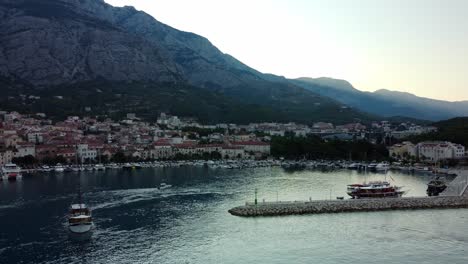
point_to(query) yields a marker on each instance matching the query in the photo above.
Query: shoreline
(363, 166)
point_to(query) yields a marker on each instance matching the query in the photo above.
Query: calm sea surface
(189, 223)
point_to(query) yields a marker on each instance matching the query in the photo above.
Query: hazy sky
(417, 46)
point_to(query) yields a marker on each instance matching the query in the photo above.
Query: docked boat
(353, 166)
(127, 166)
(46, 168)
(436, 186)
(376, 189)
(11, 172)
(382, 167)
(372, 166)
(99, 167)
(80, 219)
(112, 166)
(59, 168)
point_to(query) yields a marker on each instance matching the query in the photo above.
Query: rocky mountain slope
(51, 44)
(384, 102)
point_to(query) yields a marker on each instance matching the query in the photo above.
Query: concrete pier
(456, 196)
(457, 187)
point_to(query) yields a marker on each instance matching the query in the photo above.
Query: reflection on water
(188, 223)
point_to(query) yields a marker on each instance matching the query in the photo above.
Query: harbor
(134, 205)
(455, 196)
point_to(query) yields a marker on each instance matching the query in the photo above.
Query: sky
(415, 46)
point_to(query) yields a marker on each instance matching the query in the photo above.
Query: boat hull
(377, 195)
(80, 228)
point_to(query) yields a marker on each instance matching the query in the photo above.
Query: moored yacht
(46, 168)
(11, 172)
(436, 186)
(382, 167)
(99, 167)
(376, 189)
(59, 168)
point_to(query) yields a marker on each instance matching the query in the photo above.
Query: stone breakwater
(351, 205)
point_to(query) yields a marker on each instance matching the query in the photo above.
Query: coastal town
(35, 139)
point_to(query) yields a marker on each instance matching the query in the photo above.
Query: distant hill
(384, 102)
(454, 130)
(52, 45)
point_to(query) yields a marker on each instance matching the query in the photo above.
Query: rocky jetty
(356, 205)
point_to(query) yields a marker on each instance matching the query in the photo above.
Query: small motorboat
(164, 185)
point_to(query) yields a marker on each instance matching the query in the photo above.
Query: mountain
(453, 130)
(384, 102)
(342, 85)
(65, 47)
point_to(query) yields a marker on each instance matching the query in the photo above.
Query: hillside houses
(88, 140)
(428, 151)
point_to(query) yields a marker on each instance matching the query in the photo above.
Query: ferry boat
(11, 172)
(376, 189)
(80, 219)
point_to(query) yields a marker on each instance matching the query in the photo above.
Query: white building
(6, 157)
(25, 149)
(254, 146)
(85, 153)
(436, 151)
(35, 137)
(232, 152)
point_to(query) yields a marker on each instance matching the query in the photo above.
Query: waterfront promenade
(456, 196)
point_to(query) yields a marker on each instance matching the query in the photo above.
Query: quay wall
(351, 205)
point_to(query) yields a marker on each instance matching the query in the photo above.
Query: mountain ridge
(50, 43)
(387, 103)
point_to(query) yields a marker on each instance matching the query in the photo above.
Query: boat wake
(130, 196)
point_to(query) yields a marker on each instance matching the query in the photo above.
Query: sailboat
(79, 219)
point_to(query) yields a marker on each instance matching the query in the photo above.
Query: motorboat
(164, 185)
(59, 168)
(80, 219)
(11, 172)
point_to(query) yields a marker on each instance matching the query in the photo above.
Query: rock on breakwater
(352, 205)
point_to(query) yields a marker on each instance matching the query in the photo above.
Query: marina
(382, 167)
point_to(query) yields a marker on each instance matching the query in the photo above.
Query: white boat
(163, 186)
(353, 166)
(80, 219)
(382, 167)
(112, 166)
(11, 172)
(99, 167)
(59, 168)
(46, 168)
